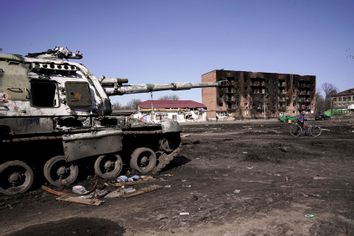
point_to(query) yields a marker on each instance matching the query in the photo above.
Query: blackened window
(43, 93)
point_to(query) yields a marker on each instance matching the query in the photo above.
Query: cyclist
(301, 119)
(301, 122)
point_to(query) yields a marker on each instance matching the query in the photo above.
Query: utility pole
(152, 107)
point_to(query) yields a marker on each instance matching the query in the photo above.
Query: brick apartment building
(258, 94)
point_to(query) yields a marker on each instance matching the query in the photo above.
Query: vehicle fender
(169, 126)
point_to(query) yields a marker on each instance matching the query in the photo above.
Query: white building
(343, 100)
(178, 110)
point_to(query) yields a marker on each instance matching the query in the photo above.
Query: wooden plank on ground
(78, 199)
(142, 191)
(54, 192)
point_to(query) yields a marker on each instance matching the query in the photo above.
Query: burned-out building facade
(258, 94)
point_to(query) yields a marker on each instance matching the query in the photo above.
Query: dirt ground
(242, 178)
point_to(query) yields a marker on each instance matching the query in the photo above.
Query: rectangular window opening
(44, 93)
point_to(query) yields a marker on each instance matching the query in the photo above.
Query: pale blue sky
(160, 41)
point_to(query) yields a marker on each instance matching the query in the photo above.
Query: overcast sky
(161, 41)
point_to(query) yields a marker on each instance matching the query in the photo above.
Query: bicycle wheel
(295, 130)
(315, 131)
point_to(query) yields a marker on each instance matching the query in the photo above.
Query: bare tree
(329, 90)
(116, 106)
(320, 102)
(169, 97)
(133, 104)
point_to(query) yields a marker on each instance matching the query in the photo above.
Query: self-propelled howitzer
(55, 116)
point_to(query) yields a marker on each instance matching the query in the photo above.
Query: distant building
(258, 94)
(178, 110)
(343, 100)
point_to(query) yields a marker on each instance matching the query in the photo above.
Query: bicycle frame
(312, 130)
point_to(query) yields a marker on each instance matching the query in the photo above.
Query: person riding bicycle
(301, 119)
(301, 122)
(300, 129)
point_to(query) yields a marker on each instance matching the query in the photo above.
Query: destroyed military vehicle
(56, 118)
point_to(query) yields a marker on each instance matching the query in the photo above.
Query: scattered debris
(314, 195)
(319, 178)
(122, 179)
(167, 175)
(92, 197)
(167, 186)
(129, 190)
(237, 191)
(52, 191)
(244, 152)
(184, 213)
(309, 216)
(133, 178)
(143, 179)
(79, 189)
(161, 217)
(250, 167)
(188, 186)
(185, 135)
(142, 191)
(95, 194)
(79, 199)
(115, 193)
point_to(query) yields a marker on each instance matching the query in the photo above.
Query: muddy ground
(245, 178)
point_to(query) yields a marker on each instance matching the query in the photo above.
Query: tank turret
(55, 116)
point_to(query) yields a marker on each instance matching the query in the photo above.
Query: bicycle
(313, 130)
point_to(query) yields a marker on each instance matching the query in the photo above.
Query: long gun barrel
(116, 86)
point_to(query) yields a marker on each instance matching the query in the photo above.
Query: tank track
(165, 159)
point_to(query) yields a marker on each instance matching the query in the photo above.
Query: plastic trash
(310, 216)
(237, 191)
(319, 178)
(133, 178)
(122, 179)
(95, 194)
(79, 189)
(184, 213)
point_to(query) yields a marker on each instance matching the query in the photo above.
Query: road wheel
(60, 173)
(143, 160)
(170, 142)
(15, 177)
(295, 130)
(108, 166)
(315, 131)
